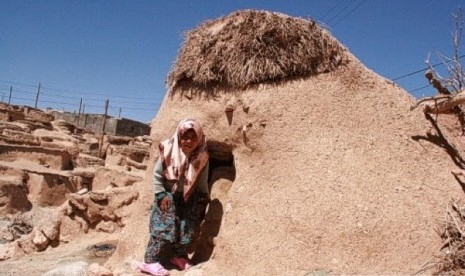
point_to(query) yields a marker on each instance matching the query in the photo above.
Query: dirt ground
(91, 248)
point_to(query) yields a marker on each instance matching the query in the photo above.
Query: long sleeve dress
(176, 225)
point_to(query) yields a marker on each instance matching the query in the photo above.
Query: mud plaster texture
(333, 173)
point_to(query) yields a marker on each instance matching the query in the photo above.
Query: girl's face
(189, 141)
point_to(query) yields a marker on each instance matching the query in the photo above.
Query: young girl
(180, 178)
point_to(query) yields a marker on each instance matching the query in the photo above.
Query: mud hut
(318, 162)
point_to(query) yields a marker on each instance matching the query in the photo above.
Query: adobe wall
(10, 113)
(10, 116)
(34, 114)
(113, 126)
(126, 127)
(94, 123)
(55, 158)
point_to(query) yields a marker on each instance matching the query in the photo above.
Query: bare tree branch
(451, 93)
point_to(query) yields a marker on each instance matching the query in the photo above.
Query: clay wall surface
(128, 127)
(113, 126)
(49, 189)
(91, 122)
(53, 158)
(10, 115)
(35, 115)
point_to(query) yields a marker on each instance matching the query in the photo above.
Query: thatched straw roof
(249, 47)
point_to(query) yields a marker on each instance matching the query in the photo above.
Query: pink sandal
(181, 262)
(155, 269)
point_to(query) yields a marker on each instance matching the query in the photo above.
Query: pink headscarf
(175, 162)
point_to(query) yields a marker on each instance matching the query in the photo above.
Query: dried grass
(249, 47)
(451, 261)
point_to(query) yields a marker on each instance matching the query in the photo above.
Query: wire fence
(45, 97)
(137, 108)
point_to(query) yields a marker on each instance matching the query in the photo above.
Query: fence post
(9, 98)
(79, 113)
(103, 129)
(37, 96)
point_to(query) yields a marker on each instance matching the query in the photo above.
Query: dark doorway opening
(221, 175)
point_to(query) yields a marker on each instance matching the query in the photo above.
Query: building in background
(113, 126)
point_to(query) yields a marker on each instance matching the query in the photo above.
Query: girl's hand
(165, 204)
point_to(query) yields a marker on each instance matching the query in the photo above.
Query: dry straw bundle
(452, 259)
(249, 47)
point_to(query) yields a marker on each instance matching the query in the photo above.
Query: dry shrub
(452, 258)
(250, 47)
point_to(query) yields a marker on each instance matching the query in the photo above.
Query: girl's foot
(181, 262)
(155, 269)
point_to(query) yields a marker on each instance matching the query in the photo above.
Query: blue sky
(123, 50)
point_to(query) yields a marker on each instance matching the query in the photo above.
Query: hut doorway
(221, 175)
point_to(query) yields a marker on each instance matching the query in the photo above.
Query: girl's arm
(158, 180)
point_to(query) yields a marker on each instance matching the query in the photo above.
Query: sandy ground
(82, 248)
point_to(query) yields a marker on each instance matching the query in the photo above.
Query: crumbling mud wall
(58, 183)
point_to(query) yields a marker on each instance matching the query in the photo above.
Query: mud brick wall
(113, 126)
(126, 127)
